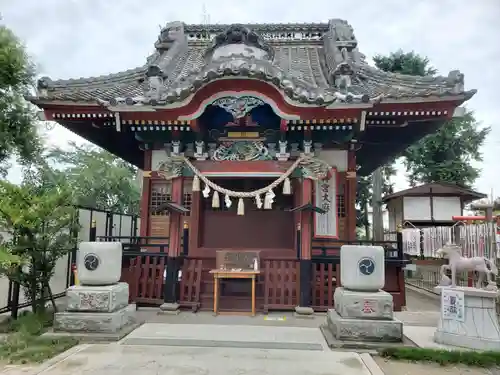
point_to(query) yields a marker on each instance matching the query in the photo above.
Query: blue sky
(70, 38)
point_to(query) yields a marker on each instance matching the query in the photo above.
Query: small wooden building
(428, 205)
(257, 134)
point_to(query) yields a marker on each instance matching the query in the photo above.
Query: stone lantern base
(364, 316)
(96, 309)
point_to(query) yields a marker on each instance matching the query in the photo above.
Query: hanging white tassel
(258, 201)
(215, 200)
(241, 207)
(196, 183)
(287, 187)
(268, 200)
(206, 192)
(227, 201)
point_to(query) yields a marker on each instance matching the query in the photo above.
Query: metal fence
(106, 224)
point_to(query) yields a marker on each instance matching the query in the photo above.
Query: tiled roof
(312, 63)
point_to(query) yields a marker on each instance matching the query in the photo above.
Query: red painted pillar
(174, 248)
(351, 184)
(305, 262)
(306, 219)
(146, 192)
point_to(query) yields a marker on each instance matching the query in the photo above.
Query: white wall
(417, 208)
(446, 207)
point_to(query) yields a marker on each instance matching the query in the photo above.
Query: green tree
(40, 220)
(18, 131)
(446, 155)
(98, 178)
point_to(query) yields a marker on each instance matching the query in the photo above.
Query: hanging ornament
(258, 201)
(287, 187)
(196, 183)
(241, 207)
(206, 191)
(215, 200)
(227, 201)
(268, 200)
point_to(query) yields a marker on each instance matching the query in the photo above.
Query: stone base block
(103, 322)
(97, 298)
(468, 319)
(169, 309)
(349, 329)
(364, 305)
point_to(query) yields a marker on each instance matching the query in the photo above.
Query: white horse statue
(458, 263)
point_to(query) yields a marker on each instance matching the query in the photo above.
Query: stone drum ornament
(364, 267)
(99, 263)
(363, 312)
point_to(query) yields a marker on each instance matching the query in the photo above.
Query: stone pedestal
(363, 305)
(363, 312)
(99, 309)
(364, 316)
(468, 318)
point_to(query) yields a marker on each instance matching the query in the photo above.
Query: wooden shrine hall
(249, 140)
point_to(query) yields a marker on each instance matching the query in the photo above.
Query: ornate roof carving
(317, 71)
(240, 34)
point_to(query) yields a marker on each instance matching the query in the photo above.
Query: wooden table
(225, 274)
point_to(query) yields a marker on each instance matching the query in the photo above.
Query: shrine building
(251, 138)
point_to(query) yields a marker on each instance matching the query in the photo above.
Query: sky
(79, 38)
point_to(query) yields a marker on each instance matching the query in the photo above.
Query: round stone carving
(366, 266)
(91, 262)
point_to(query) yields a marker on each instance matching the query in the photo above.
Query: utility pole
(377, 218)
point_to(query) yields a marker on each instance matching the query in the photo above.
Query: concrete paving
(226, 336)
(116, 359)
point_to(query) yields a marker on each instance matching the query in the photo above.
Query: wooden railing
(281, 284)
(326, 276)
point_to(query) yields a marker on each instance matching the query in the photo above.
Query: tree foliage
(18, 131)
(97, 178)
(448, 154)
(405, 63)
(40, 220)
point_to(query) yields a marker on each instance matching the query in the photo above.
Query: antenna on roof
(205, 21)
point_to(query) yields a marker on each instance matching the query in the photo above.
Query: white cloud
(71, 38)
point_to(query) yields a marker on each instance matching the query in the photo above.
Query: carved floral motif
(238, 106)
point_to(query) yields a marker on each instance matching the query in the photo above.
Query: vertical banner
(325, 194)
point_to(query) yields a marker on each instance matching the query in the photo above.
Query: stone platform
(96, 309)
(92, 322)
(357, 329)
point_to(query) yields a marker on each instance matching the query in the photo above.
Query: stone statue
(458, 263)
(171, 33)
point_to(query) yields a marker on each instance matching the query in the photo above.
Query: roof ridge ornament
(240, 34)
(341, 51)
